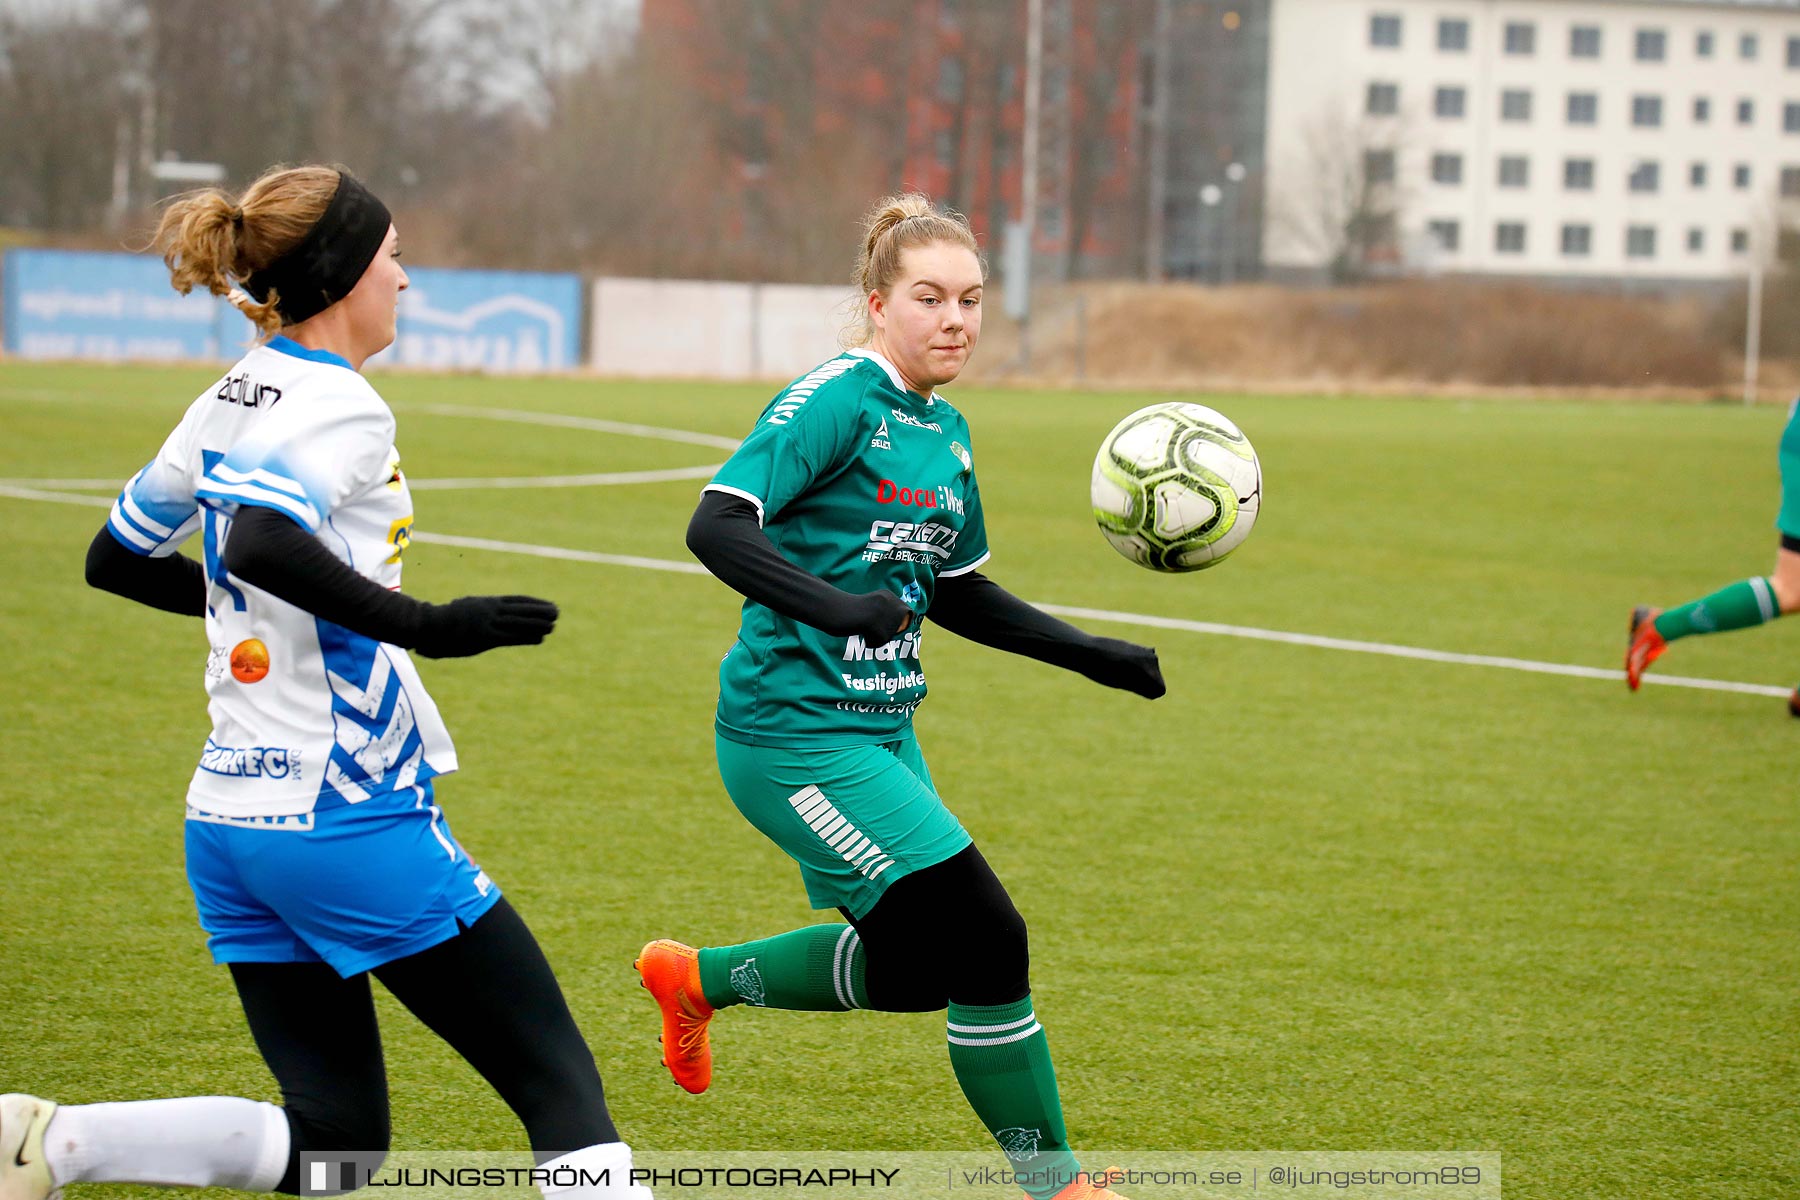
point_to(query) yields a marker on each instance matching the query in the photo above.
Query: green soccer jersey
(868, 486)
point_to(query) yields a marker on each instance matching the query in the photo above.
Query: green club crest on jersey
(962, 455)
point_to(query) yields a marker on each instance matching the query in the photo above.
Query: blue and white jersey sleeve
(306, 459)
(156, 510)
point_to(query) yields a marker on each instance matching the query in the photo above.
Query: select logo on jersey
(857, 650)
(880, 440)
(249, 660)
(889, 492)
(254, 762)
(805, 386)
(903, 541)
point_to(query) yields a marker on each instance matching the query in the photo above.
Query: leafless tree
(59, 91)
(1345, 197)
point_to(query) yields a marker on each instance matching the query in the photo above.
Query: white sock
(611, 1157)
(201, 1141)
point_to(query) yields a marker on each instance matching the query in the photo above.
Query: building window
(1646, 111)
(1697, 175)
(1521, 38)
(1696, 240)
(1652, 45)
(1447, 234)
(1640, 241)
(1702, 110)
(1447, 169)
(1378, 166)
(1453, 34)
(1584, 41)
(1645, 177)
(1584, 108)
(1703, 44)
(1515, 171)
(1790, 117)
(1384, 99)
(1577, 240)
(1515, 105)
(1578, 175)
(1793, 57)
(1746, 111)
(1740, 241)
(1449, 102)
(1740, 177)
(1790, 181)
(1747, 47)
(1384, 30)
(1509, 237)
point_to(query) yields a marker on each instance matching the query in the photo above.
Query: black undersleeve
(488, 992)
(172, 582)
(725, 536)
(948, 932)
(274, 552)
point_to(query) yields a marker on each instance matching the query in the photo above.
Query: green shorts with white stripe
(855, 818)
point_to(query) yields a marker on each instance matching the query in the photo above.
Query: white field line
(567, 422)
(564, 481)
(1209, 627)
(12, 488)
(1144, 620)
(587, 556)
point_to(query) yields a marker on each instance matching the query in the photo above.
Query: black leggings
(946, 933)
(488, 992)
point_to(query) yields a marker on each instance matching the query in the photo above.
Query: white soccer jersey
(306, 714)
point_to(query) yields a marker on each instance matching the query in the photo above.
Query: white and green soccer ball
(1176, 487)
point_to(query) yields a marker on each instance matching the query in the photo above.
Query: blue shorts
(854, 818)
(354, 886)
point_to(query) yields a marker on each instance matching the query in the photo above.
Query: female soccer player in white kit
(314, 848)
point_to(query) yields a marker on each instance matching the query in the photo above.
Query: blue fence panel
(498, 321)
(73, 304)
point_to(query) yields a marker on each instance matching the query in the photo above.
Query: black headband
(329, 260)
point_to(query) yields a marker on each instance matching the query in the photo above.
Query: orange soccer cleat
(1092, 1187)
(671, 973)
(1646, 645)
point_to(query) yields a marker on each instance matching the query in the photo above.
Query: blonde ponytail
(211, 240)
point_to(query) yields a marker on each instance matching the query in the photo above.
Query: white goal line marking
(1144, 620)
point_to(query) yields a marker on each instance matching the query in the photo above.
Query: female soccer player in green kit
(1754, 601)
(849, 514)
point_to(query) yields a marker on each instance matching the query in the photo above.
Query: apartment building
(1649, 141)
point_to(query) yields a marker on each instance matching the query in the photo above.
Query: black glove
(880, 617)
(1126, 665)
(477, 623)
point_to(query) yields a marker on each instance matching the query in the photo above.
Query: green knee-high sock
(1736, 606)
(1002, 1061)
(816, 969)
